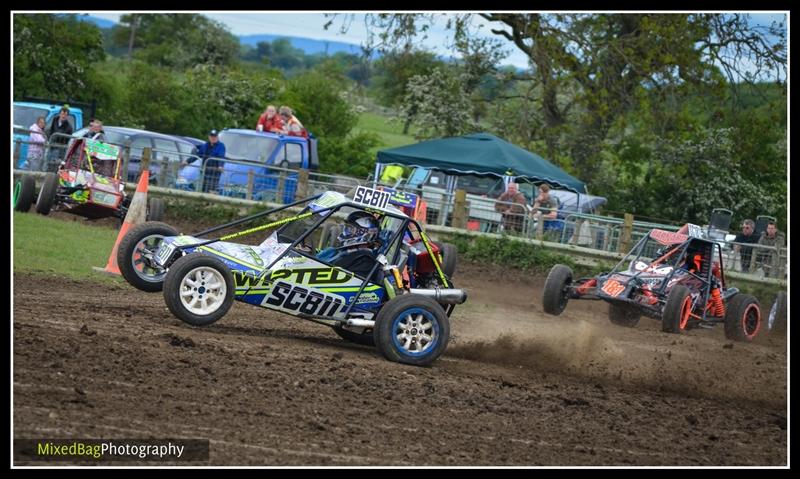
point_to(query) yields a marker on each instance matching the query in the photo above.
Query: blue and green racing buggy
(376, 279)
(674, 277)
(88, 183)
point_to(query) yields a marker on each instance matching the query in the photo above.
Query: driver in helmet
(693, 260)
(356, 245)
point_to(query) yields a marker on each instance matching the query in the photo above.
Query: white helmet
(359, 228)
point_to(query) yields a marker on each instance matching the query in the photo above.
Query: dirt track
(515, 387)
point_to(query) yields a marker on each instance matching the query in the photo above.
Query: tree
(396, 68)
(317, 99)
(53, 55)
(176, 40)
(604, 60)
(439, 104)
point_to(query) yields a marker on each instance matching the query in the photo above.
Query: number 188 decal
(613, 288)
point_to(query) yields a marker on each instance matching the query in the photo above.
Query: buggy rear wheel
(411, 329)
(24, 192)
(199, 289)
(47, 195)
(742, 318)
(555, 295)
(449, 254)
(364, 338)
(677, 311)
(623, 314)
(135, 253)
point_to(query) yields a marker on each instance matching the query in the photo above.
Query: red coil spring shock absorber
(651, 298)
(716, 304)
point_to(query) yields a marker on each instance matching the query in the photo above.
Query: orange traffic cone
(137, 214)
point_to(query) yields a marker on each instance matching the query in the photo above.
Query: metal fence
(254, 181)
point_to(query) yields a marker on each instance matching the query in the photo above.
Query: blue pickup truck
(25, 115)
(250, 150)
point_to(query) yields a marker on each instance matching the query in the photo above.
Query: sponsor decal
(313, 276)
(296, 299)
(101, 150)
(369, 197)
(165, 252)
(256, 258)
(667, 237)
(402, 198)
(325, 201)
(366, 298)
(244, 280)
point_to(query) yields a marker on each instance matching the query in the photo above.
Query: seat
(761, 223)
(719, 224)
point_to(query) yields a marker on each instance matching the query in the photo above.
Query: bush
(508, 252)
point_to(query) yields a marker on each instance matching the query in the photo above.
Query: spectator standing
(36, 145)
(769, 258)
(208, 152)
(292, 125)
(62, 125)
(270, 121)
(512, 206)
(95, 131)
(747, 235)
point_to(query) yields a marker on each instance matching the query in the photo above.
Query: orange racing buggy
(673, 277)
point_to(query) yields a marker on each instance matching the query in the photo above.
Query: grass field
(63, 248)
(389, 132)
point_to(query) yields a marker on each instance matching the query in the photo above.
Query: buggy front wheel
(677, 311)
(199, 289)
(411, 329)
(47, 195)
(555, 295)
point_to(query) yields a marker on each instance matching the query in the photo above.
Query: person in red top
(292, 125)
(270, 121)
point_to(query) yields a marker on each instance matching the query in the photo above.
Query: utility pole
(134, 22)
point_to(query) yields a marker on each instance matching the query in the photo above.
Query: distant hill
(308, 45)
(100, 22)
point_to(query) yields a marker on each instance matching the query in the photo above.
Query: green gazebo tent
(480, 154)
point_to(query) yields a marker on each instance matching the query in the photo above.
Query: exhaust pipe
(361, 323)
(443, 295)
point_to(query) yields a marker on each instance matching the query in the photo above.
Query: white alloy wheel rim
(415, 333)
(202, 290)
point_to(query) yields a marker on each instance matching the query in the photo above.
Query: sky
(310, 25)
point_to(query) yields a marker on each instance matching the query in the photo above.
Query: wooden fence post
(625, 237)
(147, 153)
(281, 187)
(302, 185)
(251, 176)
(460, 210)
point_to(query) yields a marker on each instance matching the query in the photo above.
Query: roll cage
(675, 247)
(326, 211)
